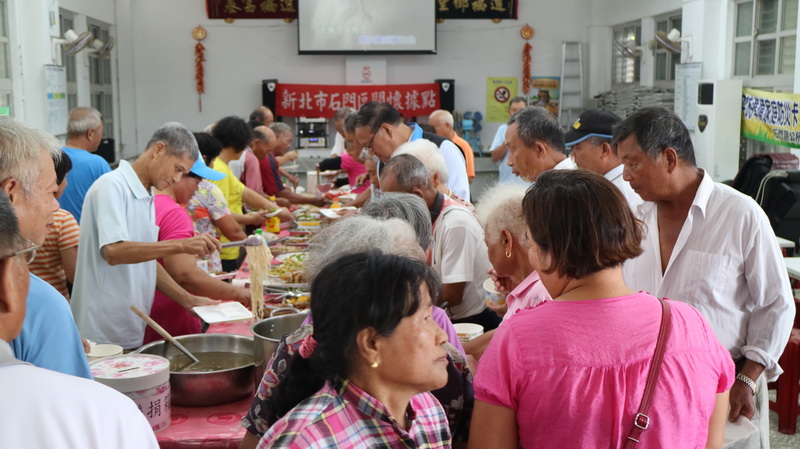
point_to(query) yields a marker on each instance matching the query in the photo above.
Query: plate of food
(336, 213)
(299, 257)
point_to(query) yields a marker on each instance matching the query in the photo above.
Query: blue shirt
(504, 171)
(49, 337)
(86, 168)
(454, 160)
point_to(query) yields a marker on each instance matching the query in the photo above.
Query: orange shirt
(467, 150)
(64, 234)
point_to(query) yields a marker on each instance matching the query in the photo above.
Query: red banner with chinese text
(313, 100)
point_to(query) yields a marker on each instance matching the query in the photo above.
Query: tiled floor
(779, 440)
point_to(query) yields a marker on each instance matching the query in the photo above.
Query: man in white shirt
(499, 152)
(458, 252)
(80, 412)
(119, 242)
(712, 247)
(590, 139)
(535, 143)
(380, 129)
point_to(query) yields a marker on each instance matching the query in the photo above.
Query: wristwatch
(747, 381)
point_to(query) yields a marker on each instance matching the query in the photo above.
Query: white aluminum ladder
(570, 104)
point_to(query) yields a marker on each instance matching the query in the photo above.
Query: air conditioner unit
(719, 119)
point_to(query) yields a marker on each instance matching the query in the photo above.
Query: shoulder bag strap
(641, 421)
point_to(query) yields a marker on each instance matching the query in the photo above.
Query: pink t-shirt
(529, 293)
(173, 223)
(251, 173)
(574, 373)
(354, 169)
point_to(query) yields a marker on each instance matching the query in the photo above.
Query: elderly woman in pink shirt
(572, 372)
(499, 212)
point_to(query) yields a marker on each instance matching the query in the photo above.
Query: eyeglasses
(369, 145)
(29, 252)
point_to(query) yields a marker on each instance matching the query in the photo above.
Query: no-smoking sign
(502, 94)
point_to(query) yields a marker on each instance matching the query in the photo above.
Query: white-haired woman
(430, 156)
(500, 214)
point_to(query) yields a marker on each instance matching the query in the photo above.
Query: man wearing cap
(590, 139)
(535, 143)
(119, 242)
(174, 223)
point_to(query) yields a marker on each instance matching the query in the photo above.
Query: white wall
(241, 54)
(623, 11)
(102, 10)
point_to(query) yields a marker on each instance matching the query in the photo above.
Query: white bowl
(100, 351)
(468, 331)
(492, 295)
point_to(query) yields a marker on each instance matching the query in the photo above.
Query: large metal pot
(266, 335)
(202, 389)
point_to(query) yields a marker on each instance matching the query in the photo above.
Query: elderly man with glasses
(28, 391)
(49, 337)
(380, 129)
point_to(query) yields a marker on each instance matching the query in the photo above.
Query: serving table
(214, 427)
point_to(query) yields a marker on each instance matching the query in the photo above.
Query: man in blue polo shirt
(84, 133)
(49, 338)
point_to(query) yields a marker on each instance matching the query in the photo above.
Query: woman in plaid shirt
(363, 378)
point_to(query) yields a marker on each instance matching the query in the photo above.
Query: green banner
(771, 117)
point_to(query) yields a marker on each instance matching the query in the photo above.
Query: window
(665, 61)
(627, 54)
(68, 23)
(765, 32)
(100, 84)
(6, 88)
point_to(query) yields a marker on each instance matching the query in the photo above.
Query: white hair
(500, 208)
(358, 233)
(442, 115)
(428, 153)
(20, 148)
(82, 120)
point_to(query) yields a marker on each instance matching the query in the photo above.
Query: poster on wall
(545, 92)
(771, 117)
(365, 70)
(56, 91)
(499, 91)
(687, 77)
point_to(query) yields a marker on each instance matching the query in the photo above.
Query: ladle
(163, 332)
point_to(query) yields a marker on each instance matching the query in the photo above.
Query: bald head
(442, 122)
(263, 141)
(262, 114)
(85, 128)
